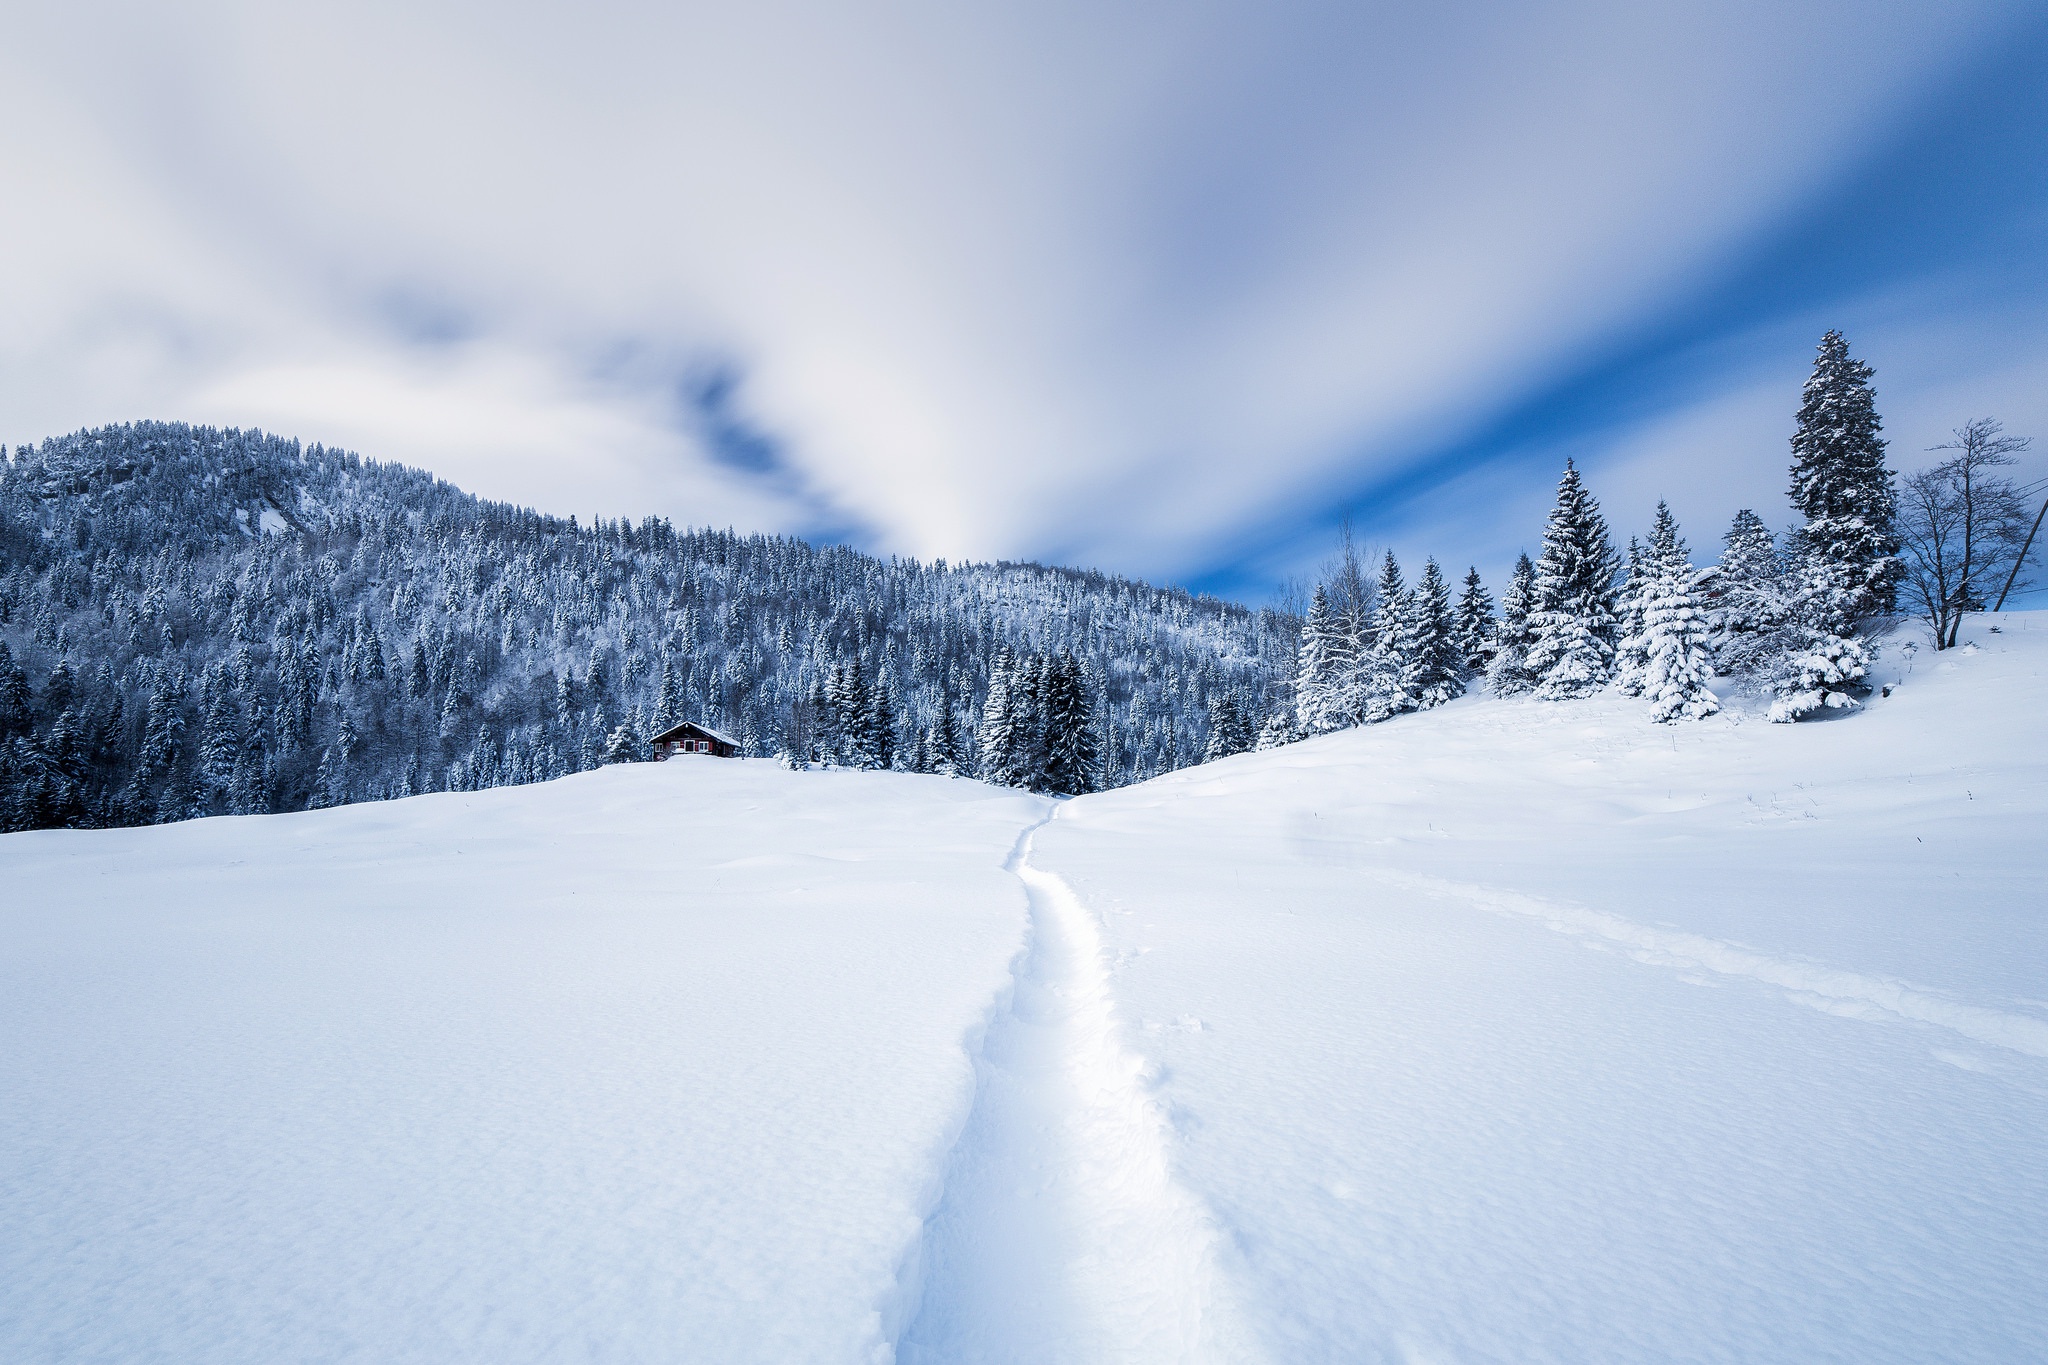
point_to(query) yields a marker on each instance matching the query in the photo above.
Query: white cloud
(1109, 284)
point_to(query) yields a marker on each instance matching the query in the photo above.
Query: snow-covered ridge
(237, 623)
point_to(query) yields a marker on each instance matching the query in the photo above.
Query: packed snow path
(1062, 1235)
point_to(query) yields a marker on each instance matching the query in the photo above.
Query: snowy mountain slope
(1504, 1032)
(205, 622)
(657, 1062)
(1520, 1032)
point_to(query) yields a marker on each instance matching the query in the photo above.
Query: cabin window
(703, 746)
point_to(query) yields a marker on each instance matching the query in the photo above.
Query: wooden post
(2022, 557)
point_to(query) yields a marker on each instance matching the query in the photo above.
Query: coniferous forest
(197, 621)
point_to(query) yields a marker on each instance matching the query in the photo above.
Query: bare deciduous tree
(1961, 524)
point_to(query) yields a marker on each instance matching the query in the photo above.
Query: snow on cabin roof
(674, 730)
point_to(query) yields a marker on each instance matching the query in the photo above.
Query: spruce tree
(1439, 663)
(997, 737)
(881, 723)
(1677, 660)
(1028, 689)
(16, 704)
(1508, 674)
(1229, 731)
(1841, 486)
(1474, 625)
(1390, 678)
(1070, 757)
(1823, 664)
(945, 741)
(1319, 682)
(1631, 654)
(668, 699)
(1749, 596)
(1572, 624)
(1279, 729)
(621, 746)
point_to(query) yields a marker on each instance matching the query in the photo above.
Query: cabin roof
(691, 726)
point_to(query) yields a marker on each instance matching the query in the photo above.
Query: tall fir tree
(945, 741)
(996, 739)
(1439, 663)
(881, 722)
(1319, 683)
(1630, 656)
(1508, 674)
(1070, 757)
(1388, 683)
(1474, 625)
(1230, 731)
(1029, 686)
(1841, 486)
(1572, 624)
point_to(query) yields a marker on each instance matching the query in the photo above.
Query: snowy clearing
(1507, 1032)
(659, 1062)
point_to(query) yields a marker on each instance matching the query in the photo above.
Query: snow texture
(1539, 1032)
(1508, 1031)
(652, 1063)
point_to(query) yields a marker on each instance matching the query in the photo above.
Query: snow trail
(1817, 984)
(1061, 1234)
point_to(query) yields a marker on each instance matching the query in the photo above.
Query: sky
(1166, 290)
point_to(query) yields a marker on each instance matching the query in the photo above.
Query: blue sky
(1160, 289)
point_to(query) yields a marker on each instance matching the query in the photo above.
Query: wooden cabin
(692, 738)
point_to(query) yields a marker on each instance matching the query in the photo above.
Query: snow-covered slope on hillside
(1522, 1032)
(1509, 1032)
(655, 1063)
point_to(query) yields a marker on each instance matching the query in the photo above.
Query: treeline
(1792, 616)
(197, 621)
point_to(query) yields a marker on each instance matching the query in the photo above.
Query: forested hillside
(197, 621)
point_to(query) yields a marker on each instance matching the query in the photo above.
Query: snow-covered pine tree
(1320, 682)
(1230, 732)
(1572, 624)
(881, 721)
(1841, 486)
(668, 700)
(220, 742)
(1678, 663)
(1279, 729)
(1825, 662)
(1750, 597)
(1439, 663)
(1389, 673)
(945, 740)
(1070, 758)
(1029, 686)
(855, 705)
(1474, 625)
(17, 711)
(997, 737)
(621, 746)
(1631, 650)
(1508, 674)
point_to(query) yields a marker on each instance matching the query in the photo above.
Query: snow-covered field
(1510, 1032)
